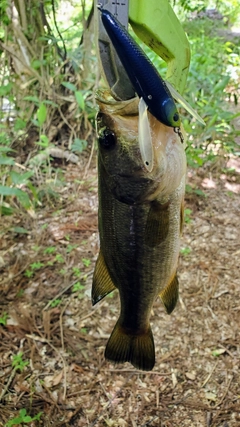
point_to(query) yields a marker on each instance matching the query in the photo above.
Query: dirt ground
(46, 314)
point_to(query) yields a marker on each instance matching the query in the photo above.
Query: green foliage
(50, 250)
(208, 90)
(187, 215)
(185, 251)
(79, 289)
(193, 190)
(41, 114)
(18, 363)
(230, 9)
(20, 293)
(212, 83)
(59, 258)
(23, 418)
(79, 145)
(86, 262)
(50, 86)
(33, 267)
(76, 272)
(70, 248)
(55, 302)
(3, 318)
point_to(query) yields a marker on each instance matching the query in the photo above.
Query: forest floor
(52, 339)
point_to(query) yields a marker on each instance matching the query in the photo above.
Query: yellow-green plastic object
(156, 24)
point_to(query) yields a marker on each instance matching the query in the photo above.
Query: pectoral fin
(169, 295)
(157, 227)
(102, 283)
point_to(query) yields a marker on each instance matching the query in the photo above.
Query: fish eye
(176, 117)
(107, 139)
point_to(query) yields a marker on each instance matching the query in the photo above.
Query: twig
(44, 340)
(110, 402)
(30, 70)
(67, 123)
(59, 295)
(89, 161)
(61, 325)
(4, 391)
(148, 423)
(65, 290)
(15, 275)
(227, 351)
(224, 394)
(88, 315)
(209, 376)
(64, 56)
(140, 372)
(23, 15)
(209, 419)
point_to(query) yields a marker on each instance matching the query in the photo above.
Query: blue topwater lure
(141, 72)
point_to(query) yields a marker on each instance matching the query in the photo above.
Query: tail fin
(137, 349)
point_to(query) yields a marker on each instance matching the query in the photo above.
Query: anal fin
(169, 294)
(102, 283)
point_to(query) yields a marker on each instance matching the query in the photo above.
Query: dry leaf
(191, 376)
(53, 380)
(211, 396)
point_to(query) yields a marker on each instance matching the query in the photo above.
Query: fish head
(120, 157)
(172, 117)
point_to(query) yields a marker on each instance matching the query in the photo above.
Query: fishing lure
(141, 72)
(158, 94)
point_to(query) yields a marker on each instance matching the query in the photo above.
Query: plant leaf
(79, 145)
(20, 178)
(5, 149)
(80, 99)
(21, 195)
(69, 86)
(184, 103)
(32, 98)
(20, 230)
(42, 113)
(6, 161)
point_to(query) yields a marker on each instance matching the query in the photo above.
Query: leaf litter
(45, 295)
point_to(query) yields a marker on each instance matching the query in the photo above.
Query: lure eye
(107, 139)
(176, 117)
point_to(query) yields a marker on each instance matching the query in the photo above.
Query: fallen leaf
(211, 396)
(191, 376)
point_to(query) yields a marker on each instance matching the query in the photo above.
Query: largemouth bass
(140, 223)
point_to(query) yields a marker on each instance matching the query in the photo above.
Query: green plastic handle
(156, 24)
